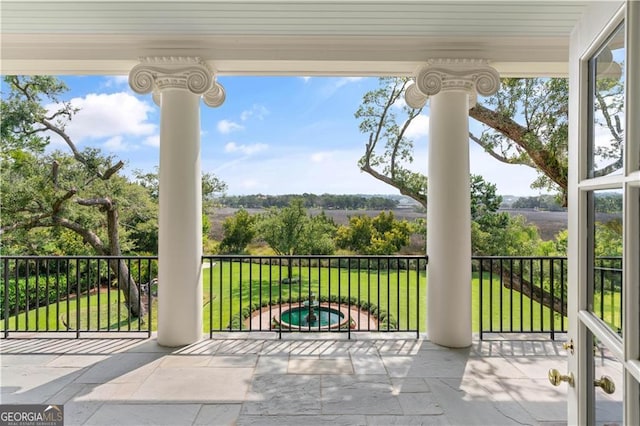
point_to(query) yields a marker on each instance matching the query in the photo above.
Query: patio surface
(303, 379)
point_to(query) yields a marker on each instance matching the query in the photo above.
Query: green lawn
(236, 286)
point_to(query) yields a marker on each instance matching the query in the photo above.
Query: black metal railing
(607, 289)
(529, 294)
(316, 293)
(82, 294)
(521, 294)
(77, 294)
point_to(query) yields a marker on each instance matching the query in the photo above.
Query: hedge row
(382, 316)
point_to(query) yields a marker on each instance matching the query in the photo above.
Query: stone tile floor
(301, 379)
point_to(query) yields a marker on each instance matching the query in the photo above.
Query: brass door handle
(606, 384)
(556, 378)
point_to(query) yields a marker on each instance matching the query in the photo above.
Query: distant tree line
(324, 201)
(606, 202)
(539, 202)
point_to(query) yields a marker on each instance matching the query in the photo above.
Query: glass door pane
(608, 386)
(607, 112)
(606, 230)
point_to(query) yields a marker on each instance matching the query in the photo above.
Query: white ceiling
(286, 37)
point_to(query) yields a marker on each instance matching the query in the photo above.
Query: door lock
(556, 378)
(568, 346)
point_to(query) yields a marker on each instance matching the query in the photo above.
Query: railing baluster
(511, 294)
(563, 285)
(490, 296)
(240, 313)
(521, 307)
(551, 310)
(57, 294)
(480, 297)
(531, 296)
(88, 281)
(98, 278)
(77, 298)
(280, 294)
(5, 307)
(541, 295)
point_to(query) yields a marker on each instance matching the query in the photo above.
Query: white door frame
(589, 35)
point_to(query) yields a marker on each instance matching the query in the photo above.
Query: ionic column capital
(154, 74)
(474, 76)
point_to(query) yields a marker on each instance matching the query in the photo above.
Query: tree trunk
(129, 288)
(126, 283)
(119, 267)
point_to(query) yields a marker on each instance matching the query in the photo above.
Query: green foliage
(21, 109)
(290, 231)
(239, 231)
(526, 122)
(324, 201)
(504, 235)
(608, 237)
(212, 188)
(484, 199)
(608, 202)
(389, 152)
(380, 235)
(540, 202)
(32, 292)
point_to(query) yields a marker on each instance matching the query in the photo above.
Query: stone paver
(305, 379)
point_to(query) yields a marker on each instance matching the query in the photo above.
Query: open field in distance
(548, 223)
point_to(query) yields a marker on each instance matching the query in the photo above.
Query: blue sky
(272, 135)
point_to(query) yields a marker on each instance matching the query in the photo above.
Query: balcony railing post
(5, 307)
(480, 297)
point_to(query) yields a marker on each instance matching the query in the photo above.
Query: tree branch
(112, 170)
(34, 222)
(89, 237)
(502, 158)
(105, 202)
(394, 183)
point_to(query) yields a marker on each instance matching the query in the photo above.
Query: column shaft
(180, 221)
(449, 221)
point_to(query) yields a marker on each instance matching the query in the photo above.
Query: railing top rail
(519, 257)
(311, 256)
(80, 257)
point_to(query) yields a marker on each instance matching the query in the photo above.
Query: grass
(244, 285)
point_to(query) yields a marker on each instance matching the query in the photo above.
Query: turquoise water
(324, 317)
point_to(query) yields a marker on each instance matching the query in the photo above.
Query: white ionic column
(451, 86)
(178, 84)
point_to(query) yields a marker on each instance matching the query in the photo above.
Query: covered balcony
(420, 345)
(86, 352)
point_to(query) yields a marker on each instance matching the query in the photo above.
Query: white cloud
(306, 78)
(400, 102)
(418, 127)
(109, 115)
(116, 143)
(319, 157)
(116, 81)
(228, 126)
(245, 149)
(152, 141)
(296, 173)
(346, 80)
(334, 84)
(256, 111)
